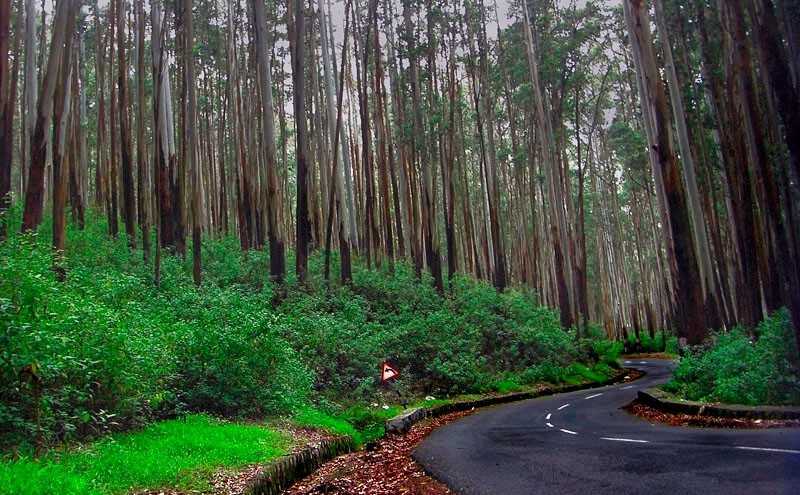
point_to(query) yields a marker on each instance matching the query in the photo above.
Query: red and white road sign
(388, 373)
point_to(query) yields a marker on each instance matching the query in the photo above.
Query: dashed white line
(765, 449)
(642, 362)
(567, 431)
(593, 396)
(626, 387)
(549, 425)
(562, 407)
(548, 415)
(632, 440)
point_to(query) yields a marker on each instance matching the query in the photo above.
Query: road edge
(402, 423)
(664, 402)
(280, 474)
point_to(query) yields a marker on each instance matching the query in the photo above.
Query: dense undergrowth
(740, 367)
(659, 342)
(107, 350)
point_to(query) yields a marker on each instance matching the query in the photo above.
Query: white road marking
(632, 440)
(562, 407)
(764, 449)
(628, 362)
(548, 415)
(642, 362)
(567, 431)
(593, 396)
(549, 425)
(626, 387)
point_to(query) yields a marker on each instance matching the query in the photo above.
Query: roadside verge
(281, 474)
(665, 402)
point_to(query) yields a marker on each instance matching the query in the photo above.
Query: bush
(659, 342)
(106, 349)
(742, 369)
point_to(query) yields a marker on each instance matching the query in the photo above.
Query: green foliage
(607, 351)
(107, 349)
(175, 453)
(659, 342)
(739, 368)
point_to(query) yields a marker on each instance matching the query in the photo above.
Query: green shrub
(107, 349)
(742, 369)
(608, 351)
(659, 342)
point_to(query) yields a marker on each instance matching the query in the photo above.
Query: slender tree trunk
(773, 57)
(191, 138)
(6, 114)
(61, 117)
(63, 26)
(691, 318)
(558, 221)
(128, 194)
(688, 161)
(337, 178)
(275, 233)
(296, 19)
(382, 139)
(30, 88)
(141, 163)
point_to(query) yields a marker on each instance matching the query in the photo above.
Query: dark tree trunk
(296, 21)
(128, 194)
(64, 23)
(7, 107)
(690, 308)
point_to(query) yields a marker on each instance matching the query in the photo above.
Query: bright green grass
(362, 424)
(178, 453)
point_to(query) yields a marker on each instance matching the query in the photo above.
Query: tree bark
(191, 139)
(141, 163)
(6, 114)
(63, 26)
(275, 233)
(691, 318)
(296, 19)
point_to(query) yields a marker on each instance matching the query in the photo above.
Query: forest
(238, 209)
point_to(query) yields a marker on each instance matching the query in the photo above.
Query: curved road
(582, 443)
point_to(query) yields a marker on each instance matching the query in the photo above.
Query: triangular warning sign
(387, 372)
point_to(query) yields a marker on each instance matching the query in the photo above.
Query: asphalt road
(582, 443)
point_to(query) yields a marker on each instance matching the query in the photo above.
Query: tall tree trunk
(691, 317)
(275, 233)
(382, 134)
(61, 117)
(337, 178)
(123, 109)
(773, 57)
(6, 114)
(63, 26)
(296, 19)
(141, 163)
(558, 220)
(727, 115)
(191, 138)
(499, 262)
(688, 161)
(30, 88)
